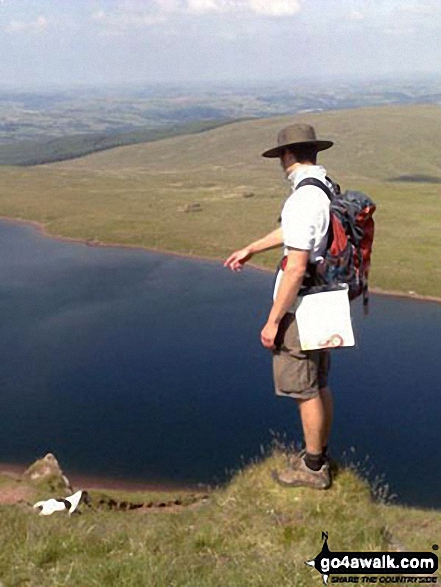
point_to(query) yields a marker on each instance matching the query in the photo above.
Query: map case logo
(367, 564)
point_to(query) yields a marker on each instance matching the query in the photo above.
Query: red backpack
(348, 253)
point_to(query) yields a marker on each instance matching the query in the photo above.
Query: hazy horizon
(322, 82)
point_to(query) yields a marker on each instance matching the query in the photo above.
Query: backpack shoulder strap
(318, 184)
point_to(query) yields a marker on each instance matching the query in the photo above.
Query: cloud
(206, 6)
(414, 17)
(133, 14)
(124, 20)
(275, 7)
(397, 31)
(100, 16)
(356, 15)
(421, 7)
(20, 26)
(127, 15)
(262, 7)
(169, 5)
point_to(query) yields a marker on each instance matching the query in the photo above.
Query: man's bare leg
(328, 407)
(316, 415)
(309, 471)
(313, 416)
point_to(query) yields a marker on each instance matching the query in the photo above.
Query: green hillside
(208, 193)
(378, 143)
(37, 152)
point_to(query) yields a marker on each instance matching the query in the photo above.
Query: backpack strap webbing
(321, 185)
(310, 279)
(318, 184)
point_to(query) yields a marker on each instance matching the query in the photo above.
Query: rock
(46, 472)
(193, 208)
(92, 242)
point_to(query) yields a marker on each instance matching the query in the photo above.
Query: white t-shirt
(305, 216)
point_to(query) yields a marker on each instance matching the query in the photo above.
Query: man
(301, 375)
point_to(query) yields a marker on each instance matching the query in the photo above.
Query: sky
(94, 42)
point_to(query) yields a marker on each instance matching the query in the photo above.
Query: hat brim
(276, 151)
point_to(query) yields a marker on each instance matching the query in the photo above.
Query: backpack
(348, 252)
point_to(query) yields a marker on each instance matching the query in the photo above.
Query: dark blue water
(149, 367)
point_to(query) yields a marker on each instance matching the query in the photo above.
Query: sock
(324, 449)
(313, 461)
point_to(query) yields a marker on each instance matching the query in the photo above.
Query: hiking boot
(295, 458)
(303, 476)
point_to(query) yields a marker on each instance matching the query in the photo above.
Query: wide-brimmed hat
(296, 135)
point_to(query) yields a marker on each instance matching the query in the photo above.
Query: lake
(148, 367)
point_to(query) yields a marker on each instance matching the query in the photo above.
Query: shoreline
(89, 481)
(42, 229)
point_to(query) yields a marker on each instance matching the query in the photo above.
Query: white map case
(324, 320)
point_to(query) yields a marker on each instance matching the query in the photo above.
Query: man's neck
(295, 167)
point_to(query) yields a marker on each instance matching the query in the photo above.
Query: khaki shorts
(297, 374)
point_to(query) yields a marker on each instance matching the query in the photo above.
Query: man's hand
(268, 335)
(237, 260)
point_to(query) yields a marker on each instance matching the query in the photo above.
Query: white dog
(50, 506)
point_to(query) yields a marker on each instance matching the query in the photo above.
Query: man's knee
(309, 401)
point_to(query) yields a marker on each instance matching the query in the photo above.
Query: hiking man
(301, 375)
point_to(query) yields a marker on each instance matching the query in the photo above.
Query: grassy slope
(135, 194)
(252, 532)
(36, 152)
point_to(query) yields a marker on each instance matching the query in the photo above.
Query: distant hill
(383, 143)
(38, 152)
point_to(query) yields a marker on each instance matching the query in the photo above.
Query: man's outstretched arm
(271, 241)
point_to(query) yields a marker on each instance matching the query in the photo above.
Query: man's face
(287, 160)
